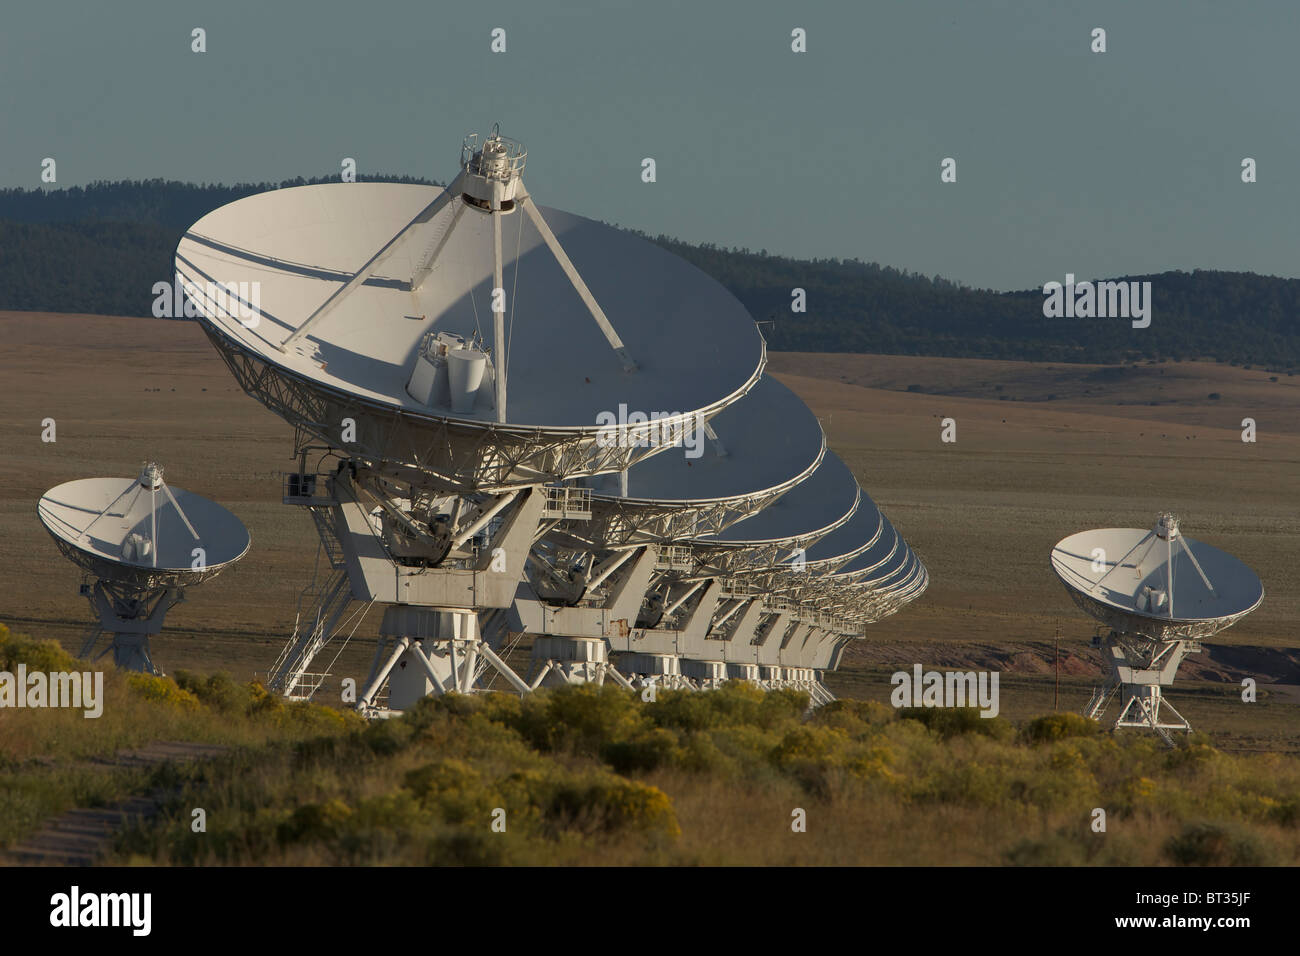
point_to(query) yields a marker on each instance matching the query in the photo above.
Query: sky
(1067, 160)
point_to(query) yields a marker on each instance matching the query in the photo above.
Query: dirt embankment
(1216, 662)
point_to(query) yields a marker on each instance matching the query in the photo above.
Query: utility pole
(1056, 701)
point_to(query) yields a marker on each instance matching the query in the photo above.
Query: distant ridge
(100, 249)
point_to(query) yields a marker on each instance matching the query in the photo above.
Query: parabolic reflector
(129, 528)
(850, 539)
(1155, 582)
(816, 506)
(694, 345)
(767, 440)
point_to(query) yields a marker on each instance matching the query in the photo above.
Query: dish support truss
(1139, 667)
(129, 604)
(704, 630)
(432, 577)
(128, 615)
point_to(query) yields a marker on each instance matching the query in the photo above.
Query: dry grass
(54, 759)
(593, 776)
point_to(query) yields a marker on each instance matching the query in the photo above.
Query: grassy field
(600, 776)
(1042, 451)
(595, 776)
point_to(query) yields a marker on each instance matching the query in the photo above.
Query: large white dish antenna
(885, 555)
(813, 508)
(1157, 583)
(850, 539)
(753, 452)
(768, 440)
(611, 326)
(138, 530)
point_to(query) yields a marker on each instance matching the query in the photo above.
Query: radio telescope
(143, 543)
(838, 587)
(702, 622)
(590, 576)
(1159, 592)
(451, 360)
(400, 307)
(689, 580)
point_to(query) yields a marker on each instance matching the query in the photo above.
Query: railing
(503, 166)
(305, 686)
(326, 601)
(566, 502)
(674, 557)
(1097, 703)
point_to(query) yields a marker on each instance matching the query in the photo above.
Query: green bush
(452, 789)
(162, 690)
(315, 822)
(583, 718)
(601, 802)
(950, 722)
(1059, 726)
(44, 656)
(216, 690)
(648, 750)
(1213, 844)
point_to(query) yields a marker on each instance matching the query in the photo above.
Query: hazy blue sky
(1067, 161)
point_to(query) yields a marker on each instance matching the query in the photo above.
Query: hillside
(100, 249)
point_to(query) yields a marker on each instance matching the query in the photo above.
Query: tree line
(100, 249)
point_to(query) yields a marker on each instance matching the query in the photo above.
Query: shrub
(603, 802)
(162, 690)
(216, 690)
(314, 822)
(1287, 813)
(1192, 751)
(1211, 844)
(581, 717)
(387, 737)
(453, 789)
(948, 722)
(1055, 850)
(45, 656)
(1059, 726)
(810, 744)
(469, 848)
(733, 704)
(646, 751)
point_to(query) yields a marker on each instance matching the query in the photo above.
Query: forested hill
(101, 248)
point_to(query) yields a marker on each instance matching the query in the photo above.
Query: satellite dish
(753, 452)
(880, 580)
(1157, 582)
(144, 542)
(812, 509)
(1159, 592)
(849, 540)
(410, 308)
(884, 557)
(465, 353)
(468, 355)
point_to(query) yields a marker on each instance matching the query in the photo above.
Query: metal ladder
(311, 633)
(1100, 698)
(325, 601)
